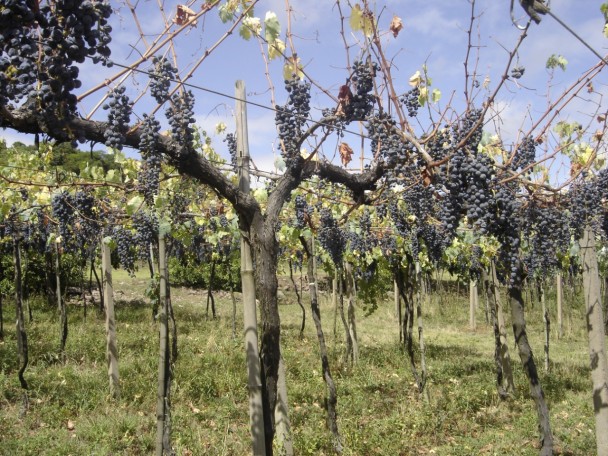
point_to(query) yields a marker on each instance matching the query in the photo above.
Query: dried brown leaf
(346, 153)
(396, 25)
(184, 16)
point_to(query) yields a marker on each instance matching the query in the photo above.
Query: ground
(379, 409)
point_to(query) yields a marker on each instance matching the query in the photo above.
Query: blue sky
(434, 34)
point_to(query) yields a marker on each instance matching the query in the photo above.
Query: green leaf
(245, 32)
(272, 27)
(436, 95)
(556, 61)
(424, 96)
(226, 12)
(134, 204)
(164, 227)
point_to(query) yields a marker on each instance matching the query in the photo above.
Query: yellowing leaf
(362, 21)
(253, 26)
(292, 67)
(356, 19)
(424, 96)
(276, 49)
(416, 79)
(220, 128)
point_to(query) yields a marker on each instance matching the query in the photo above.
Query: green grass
(380, 411)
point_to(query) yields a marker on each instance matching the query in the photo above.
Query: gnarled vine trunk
(527, 359)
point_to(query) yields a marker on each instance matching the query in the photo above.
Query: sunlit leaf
(436, 95)
(253, 24)
(415, 79)
(556, 61)
(356, 18)
(134, 204)
(396, 26)
(292, 68)
(245, 32)
(220, 128)
(276, 49)
(272, 27)
(279, 163)
(424, 96)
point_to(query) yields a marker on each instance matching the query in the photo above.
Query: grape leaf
(245, 32)
(556, 61)
(362, 21)
(396, 26)
(415, 79)
(293, 67)
(133, 204)
(436, 95)
(356, 19)
(276, 49)
(184, 16)
(346, 153)
(251, 27)
(272, 27)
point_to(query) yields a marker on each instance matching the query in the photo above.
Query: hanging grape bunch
(119, 113)
(291, 118)
(37, 63)
(160, 79)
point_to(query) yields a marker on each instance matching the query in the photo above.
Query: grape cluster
(148, 176)
(525, 154)
(119, 113)
(475, 267)
(230, 141)
(160, 79)
(178, 206)
(386, 143)
(125, 248)
(146, 232)
(413, 221)
(36, 232)
(148, 179)
(39, 45)
(585, 198)
(362, 102)
(180, 115)
(291, 118)
(62, 206)
(87, 221)
(302, 211)
(467, 178)
(331, 237)
(547, 234)
(506, 227)
(149, 137)
(411, 101)
(470, 128)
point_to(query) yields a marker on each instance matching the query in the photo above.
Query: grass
(380, 411)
